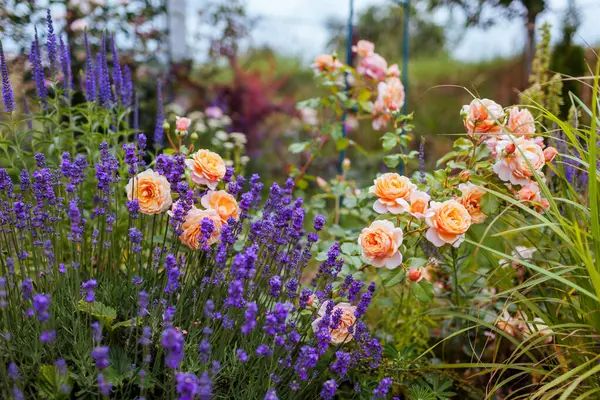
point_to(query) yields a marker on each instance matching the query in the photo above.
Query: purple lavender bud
(329, 389)
(90, 74)
(263, 350)
(100, 356)
(104, 386)
(209, 308)
(51, 43)
(61, 365)
(3, 293)
(319, 222)
(160, 118)
(228, 174)
(204, 387)
(136, 239)
(172, 342)
(105, 94)
(48, 336)
(271, 395)
(241, 355)
(187, 386)
(96, 332)
(341, 363)
(27, 288)
(381, 391)
(215, 368)
(13, 372)
(116, 72)
(17, 394)
(143, 301)
(7, 92)
(275, 286)
(365, 300)
(235, 294)
(146, 339)
(307, 359)
(204, 350)
(41, 305)
(35, 58)
(249, 318)
(65, 64)
(87, 288)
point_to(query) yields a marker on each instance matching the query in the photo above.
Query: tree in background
(385, 27)
(477, 12)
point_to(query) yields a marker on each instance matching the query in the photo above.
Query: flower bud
(311, 300)
(415, 274)
(550, 153)
(510, 148)
(166, 126)
(346, 164)
(393, 106)
(464, 176)
(194, 135)
(322, 183)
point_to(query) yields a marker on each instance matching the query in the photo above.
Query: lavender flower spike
(65, 64)
(51, 43)
(160, 118)
(35, 58)
(90, 81)
(105, 92)
(7, 93)
(116, 72)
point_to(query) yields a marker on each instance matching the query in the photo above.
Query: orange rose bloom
(390, 188)
(207, 168)
(448, 224)
(521, 122)
(471, 199)
(481, 116)
(326, 63)
(514, 167)
(152, 191)
(223, 203)
(379, 243)
(340, 334)
(192, 228)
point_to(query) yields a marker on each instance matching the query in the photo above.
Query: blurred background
(252, 58)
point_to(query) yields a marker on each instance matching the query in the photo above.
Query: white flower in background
(520, 252)
(309, 116)
(225, 120)
(222, 136)
(228, 146)
(200, 127)
(244, 160)
(213, 123)
(238, 138)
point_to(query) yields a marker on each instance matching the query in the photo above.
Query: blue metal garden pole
(405, 36)
(348, 62)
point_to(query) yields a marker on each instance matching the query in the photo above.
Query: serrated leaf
(98, 310)
(119, 367)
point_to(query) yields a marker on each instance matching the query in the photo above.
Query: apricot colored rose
(363, 48)
(390, 188)
(515, 167)
(521, 122)
(192, 228)
(379, 243)
(417, 206)
(549, 154)
(152, 191)
(340, 334)
(182, 124)
(471, 200)
(390, 95)
(223, 203)
(207, 168)
(481, 116)
(326, 63)
(448, 224)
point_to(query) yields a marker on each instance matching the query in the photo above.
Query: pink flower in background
(363, 48)
(394, 71)
(213, 112)
(79, 25)
(182, 124)
(521, 122)
(374, 66)
(390, 95)
(326, 63)
(550, 153)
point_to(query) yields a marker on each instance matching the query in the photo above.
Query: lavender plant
(129, 275)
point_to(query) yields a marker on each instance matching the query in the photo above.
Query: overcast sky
(297, 27)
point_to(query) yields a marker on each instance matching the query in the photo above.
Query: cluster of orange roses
(519, 154)
(153, 194)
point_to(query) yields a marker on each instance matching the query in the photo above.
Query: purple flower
(146, 339)
(271, 395)
(27, 288)
(143, 301)
(13, 372)
(241, 355)
(172, 342)
(7, 92)
(275, 286)
(100, 356)
(365, 300)
(117, 75)
(275, 319)
(90, 73)
(96, 332)
(48, 336)
(88, 288)
(104, 386)
(61, 365)
(215, 367)
(35, 58)
(329, 388)
(307, 359)
(319, 222)
(382, 389)
(105, 93)
(263, 350)
(341, 363)
(127, 89)
(204, 387)
(65, 64)
(136, 239)
(51, 43)
(41, 305)
(228, 174)
(235, 294)
(160, 118)
(249, 318)
(204, 350)
(3, 293)
(17, 394)
(187, 386)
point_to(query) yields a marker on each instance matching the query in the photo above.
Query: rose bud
(550, 153)
(194, 135)
(415, 274)
(393, 106)
(464, 176)
(510, 148)
(322, 183)
(346, 164)
(311, 300)
(166, 126)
